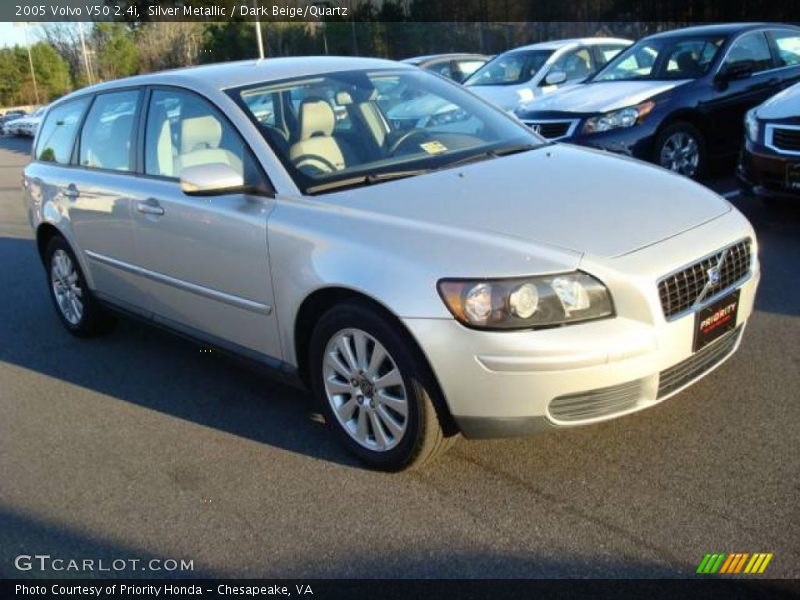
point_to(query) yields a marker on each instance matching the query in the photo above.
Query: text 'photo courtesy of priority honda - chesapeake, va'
(390, 299)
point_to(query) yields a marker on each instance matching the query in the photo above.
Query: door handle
(150, 207)
(71, 191)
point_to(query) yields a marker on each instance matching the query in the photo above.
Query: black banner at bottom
(326, 589)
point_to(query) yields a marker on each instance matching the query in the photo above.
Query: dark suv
(675, 98)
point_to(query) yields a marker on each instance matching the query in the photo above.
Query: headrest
(316, 118)
(200, 133)
(344, 98)
(121, 127)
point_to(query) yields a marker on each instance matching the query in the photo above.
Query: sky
(10, 35)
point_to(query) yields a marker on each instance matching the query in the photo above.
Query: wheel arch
(320, 301)
(44, 233)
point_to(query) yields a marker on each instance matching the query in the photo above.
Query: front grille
(697, 364)
(552, 130)
(682, 290)
(601, 402)
(786, 139)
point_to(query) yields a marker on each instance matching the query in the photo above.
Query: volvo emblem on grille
(713, 276)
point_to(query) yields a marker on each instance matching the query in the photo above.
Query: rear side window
(607, 52)
(788, 44)
(107, 135)
(57, 135)
(750, 48)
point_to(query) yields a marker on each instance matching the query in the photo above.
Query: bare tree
(169, 45)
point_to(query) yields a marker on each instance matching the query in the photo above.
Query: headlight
(626, 117)
(751, 125)
(526, 303)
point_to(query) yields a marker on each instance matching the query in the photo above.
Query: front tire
(76, 307)
(375, 390)
(681, 148)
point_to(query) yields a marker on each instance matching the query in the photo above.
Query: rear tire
(376, 391)
(76, 307)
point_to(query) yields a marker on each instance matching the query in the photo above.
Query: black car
(769, 165)
(453, 66)
(676, 98)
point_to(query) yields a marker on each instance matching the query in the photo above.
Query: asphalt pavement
(139, 445)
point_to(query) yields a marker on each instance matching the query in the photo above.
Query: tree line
(115, 50)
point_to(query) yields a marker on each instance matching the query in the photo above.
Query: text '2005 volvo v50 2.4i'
(462, 277)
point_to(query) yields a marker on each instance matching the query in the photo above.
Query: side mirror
(210, 180)
(738, 70)
(555, 77)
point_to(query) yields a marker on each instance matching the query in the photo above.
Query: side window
(577, 64)
(442, 68)
(183, 130)
(57, 136)
(608, 51)
(787, 43)
(107, 134)
(750, 47)
(468, 67)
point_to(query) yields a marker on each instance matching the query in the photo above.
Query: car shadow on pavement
(26, 537)
(141, 364)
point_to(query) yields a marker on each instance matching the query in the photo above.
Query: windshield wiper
(496, 153)
(369, 179)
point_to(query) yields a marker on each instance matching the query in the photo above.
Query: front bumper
(499, 384)
(762, 172)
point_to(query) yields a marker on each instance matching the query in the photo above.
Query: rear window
(57, 135)
(107, 135)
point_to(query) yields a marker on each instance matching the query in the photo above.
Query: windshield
(510, 68)
(369, 126)
(668, 58)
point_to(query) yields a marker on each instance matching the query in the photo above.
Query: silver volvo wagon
(448, 274)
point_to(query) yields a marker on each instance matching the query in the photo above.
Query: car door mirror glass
(211, 179)
(555, 77)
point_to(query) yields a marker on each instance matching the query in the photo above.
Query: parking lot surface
(140, 445)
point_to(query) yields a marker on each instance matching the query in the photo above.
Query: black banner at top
(509, 11)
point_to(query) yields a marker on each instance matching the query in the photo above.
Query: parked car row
(677, 99)
(22, 124)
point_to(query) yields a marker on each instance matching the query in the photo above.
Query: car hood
(781, 106)
(507, 97)
(615, 206)
(601, 97)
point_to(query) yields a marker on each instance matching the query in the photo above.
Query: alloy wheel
(365, 389)
(681, 153)
(66, 287)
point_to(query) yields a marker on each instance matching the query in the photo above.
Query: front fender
(396, 262)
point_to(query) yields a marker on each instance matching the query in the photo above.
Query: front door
(205, 258)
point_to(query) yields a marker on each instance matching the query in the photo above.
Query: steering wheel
(404, 138)
(313, 164)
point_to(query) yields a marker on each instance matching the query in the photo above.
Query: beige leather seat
(200, 140)
(316, 149)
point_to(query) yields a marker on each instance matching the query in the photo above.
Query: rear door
(205, 258)
(98, 188)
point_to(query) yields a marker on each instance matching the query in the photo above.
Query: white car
(27, 125)
(520, 75)
(421, 282)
